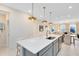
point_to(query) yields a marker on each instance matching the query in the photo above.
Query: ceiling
(60, 11)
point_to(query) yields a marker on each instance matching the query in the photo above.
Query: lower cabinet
(28, 53)
(51, 50)
(55, 47)
(59, 43)
(48, 51)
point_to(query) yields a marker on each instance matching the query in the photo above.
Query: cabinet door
(59, 43)
(45, 50)
(48, 52)
(52, 50)
(55, 47)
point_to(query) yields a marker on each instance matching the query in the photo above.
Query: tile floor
(71, 50)
(7, 52)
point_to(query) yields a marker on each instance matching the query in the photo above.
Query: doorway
(4, 31)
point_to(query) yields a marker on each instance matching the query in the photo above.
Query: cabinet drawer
(45, 49)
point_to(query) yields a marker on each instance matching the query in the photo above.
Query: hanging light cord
(50, 15)
(44, 11)
(32, 9)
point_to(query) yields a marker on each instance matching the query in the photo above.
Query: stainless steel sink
(50, 38)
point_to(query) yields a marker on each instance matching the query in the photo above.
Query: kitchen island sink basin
(50, 38)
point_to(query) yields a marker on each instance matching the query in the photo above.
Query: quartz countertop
(35, 45)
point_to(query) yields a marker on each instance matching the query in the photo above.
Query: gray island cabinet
(47, 51)
(51, 49)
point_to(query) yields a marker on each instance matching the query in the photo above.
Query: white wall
(19, 26)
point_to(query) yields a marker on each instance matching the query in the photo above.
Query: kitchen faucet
(46, 33)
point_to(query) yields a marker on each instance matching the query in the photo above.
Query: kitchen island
(40, 46)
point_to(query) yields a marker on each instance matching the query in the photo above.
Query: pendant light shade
(50, 23)
(32, 16)
(44, 21)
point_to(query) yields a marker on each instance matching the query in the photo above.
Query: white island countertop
(35, 45)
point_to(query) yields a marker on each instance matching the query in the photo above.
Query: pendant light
(50, 23)
(44, 21)
(32, 16)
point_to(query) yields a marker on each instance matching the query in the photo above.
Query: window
(73, 28)
(62, 28)
(53, 28)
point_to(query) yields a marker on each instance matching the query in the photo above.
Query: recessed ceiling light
(70, 7)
